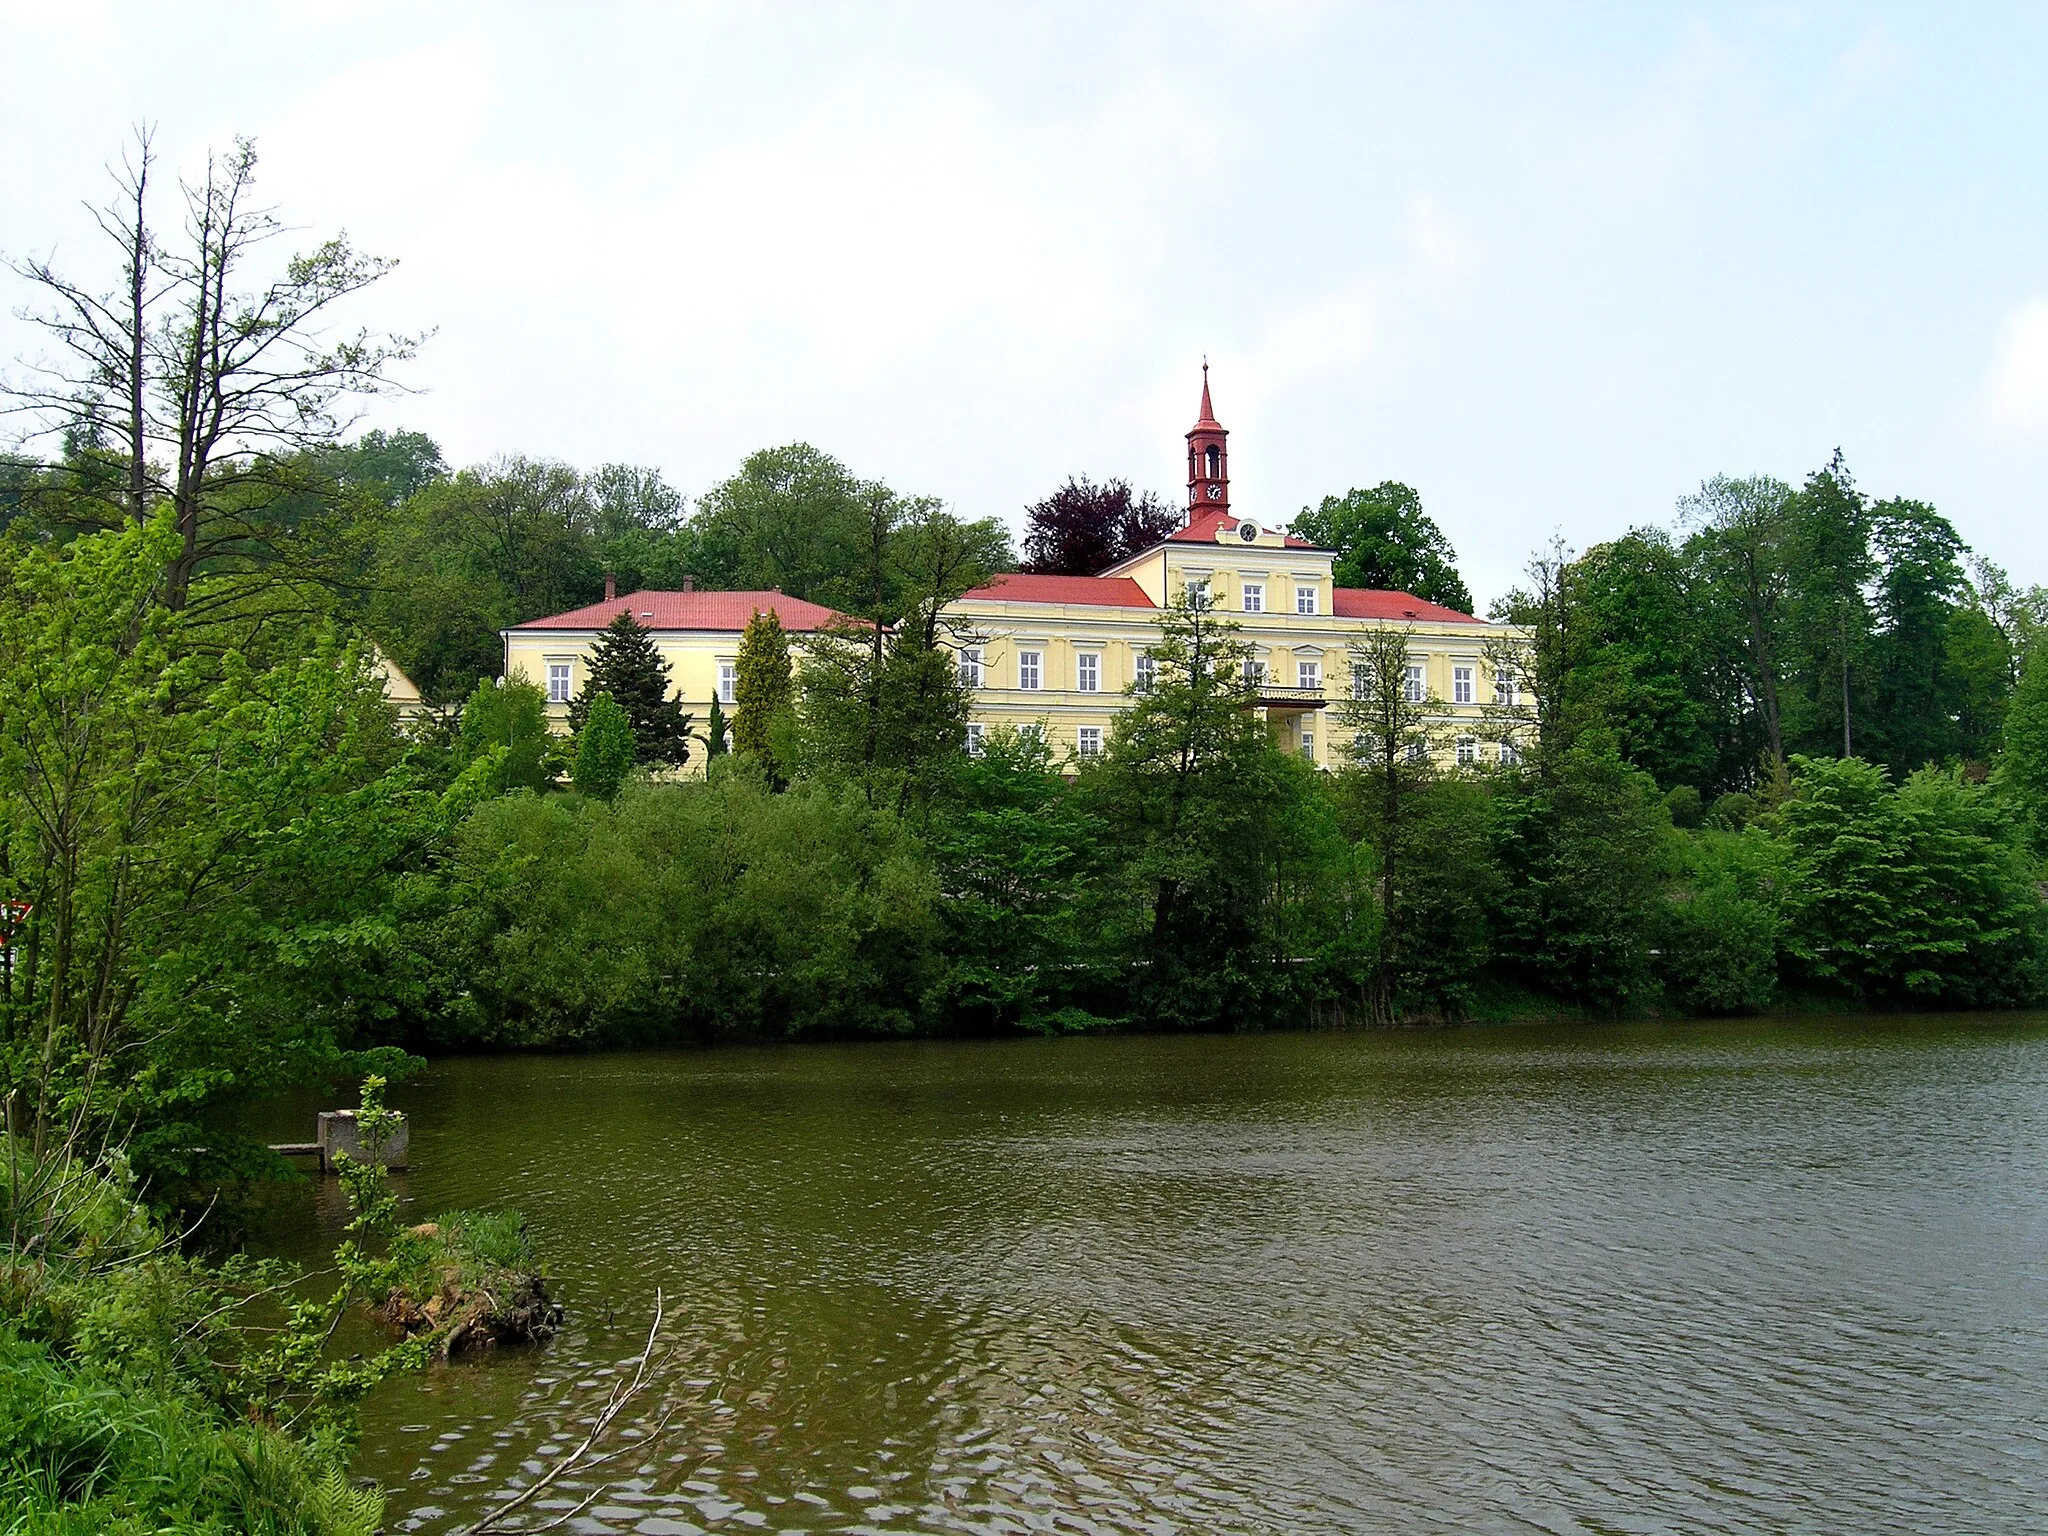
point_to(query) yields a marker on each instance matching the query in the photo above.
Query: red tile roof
(1371, 603)
(719, 611)
(1092, 591)
(1201, 529)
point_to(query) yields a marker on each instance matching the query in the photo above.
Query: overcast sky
(1551, 265)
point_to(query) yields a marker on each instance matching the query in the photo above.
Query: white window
(1504, 689)
(1304, 599)
(1508, 754)
(1361, 680)
(1414, 684)
(970, 667)
(1198, 592)
(1147, 672)
(1461, 685)
(1417, 752)
(1309, 675)
(1254, 597)
(1468, 751)
(728, 681)
(560, 689)
(1088, 672)
(1089, 738)
(1034, 733)
(1308, 746)
(1254, 673)
(1030, 669)
(974, 738)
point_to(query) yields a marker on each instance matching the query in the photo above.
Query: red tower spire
(1208, 459)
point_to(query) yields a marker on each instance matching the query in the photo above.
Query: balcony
(1272, 697)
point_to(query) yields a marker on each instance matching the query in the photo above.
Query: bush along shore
(144, 1390)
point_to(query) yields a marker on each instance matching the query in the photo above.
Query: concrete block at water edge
(340, 1133)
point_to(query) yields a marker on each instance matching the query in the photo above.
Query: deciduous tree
(1385, 540)
(1083, 528)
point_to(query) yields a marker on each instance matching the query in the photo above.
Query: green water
(1750, 1277)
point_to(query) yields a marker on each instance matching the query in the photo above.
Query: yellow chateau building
(1057, 653)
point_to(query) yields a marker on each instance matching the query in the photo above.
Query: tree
(208, 851)
(1201, 814)
(1913, 894)
(1391, 753)
(2022, 771)
(1384, 540)
(717, 731)
(509, 716)
(1083, 528)
(206, 386)
(604, 749)
(1916, 697)
(1829, 563)
(627, 669)
(1738, 550)
(764, 690)
(791, 521)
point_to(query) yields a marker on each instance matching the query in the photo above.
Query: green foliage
(764, 690)
(1014, 852)
(1581, 852)
(2023, 765)
(509, 718)
(1723, 928)
(626, 668)
(887, 714)
(209, 849)
(1384, 539)
(705, 910)
(717, 731)
(604, 749)
(1914, 894)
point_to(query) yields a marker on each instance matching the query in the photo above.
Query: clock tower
(1208, 459)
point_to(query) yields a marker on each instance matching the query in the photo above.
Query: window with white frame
(561, 687)
(1147, 672)
(1304, 599)
(1412, 689)
(1088, 671)
(728, 679)
(1361, 680)
(970, 667)
(1468, 751)
(1504, 687)
(1308, 746)
(1254, 673)
(1032, 732)
(1254, 597)
(1509, 753)
(1031, 670)
(1198, 592)
(1089, 739)
(1309, 675)
(1417, 751)
(1461, 685)
(974, 738)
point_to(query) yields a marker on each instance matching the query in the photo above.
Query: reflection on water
(1710, 1279)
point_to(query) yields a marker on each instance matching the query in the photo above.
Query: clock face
(1248, 531)
(1215, 493)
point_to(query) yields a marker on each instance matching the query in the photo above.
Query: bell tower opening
(1208, 459)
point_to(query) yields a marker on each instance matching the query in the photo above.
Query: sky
(1551, 265)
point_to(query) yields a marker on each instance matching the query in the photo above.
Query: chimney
(689, 583)
(611, 586)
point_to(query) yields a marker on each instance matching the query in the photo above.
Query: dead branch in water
(615, 1403)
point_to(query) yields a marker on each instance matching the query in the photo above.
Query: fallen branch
(615, 1403)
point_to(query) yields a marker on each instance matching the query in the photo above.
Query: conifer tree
(604, 749)
(628, 669)
(763, 693)
(715, 728)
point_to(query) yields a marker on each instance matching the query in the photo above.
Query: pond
(1769, 1277)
